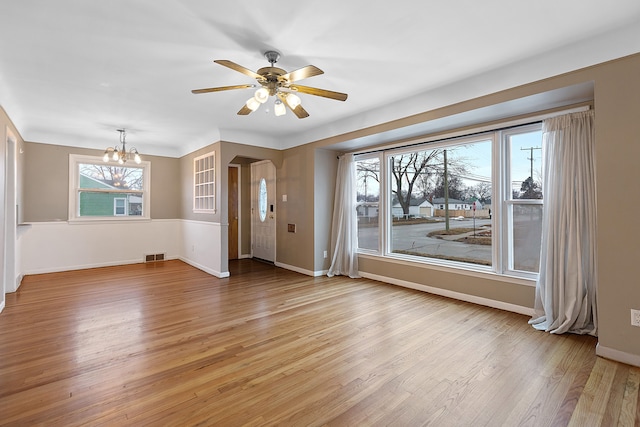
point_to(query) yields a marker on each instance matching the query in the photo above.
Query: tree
(407, 170)
(530, 189)
(368, 171)
(481, 192)
(457, 189)
(116, 176)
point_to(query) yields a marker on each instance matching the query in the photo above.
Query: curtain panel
(344, 226)
(565, 299)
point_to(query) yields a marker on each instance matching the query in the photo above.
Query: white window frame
(432, 145)
(204, 183)
(74, 191)
(115, 206)
(502, 253)
(506, 256)
(382, 212)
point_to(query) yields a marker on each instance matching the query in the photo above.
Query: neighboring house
(454, 204)
(426, 209)
(106, 204)
(417, 208)
(367, 210)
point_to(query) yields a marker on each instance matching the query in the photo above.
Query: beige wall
(617, 87)
(325, 170)
(46, 183)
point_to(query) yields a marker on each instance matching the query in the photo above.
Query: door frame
(239, 205)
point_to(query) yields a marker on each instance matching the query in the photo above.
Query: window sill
(102, 220)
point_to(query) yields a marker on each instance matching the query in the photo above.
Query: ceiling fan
(276, 82)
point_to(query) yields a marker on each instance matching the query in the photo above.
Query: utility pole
(531, 158)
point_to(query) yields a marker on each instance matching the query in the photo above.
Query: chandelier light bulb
(253, 104)
(105, 158)
(261, 95)
(137, 158)
(279, 108)
(116, 156)
(293, 100)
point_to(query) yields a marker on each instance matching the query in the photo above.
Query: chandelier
(119, 153)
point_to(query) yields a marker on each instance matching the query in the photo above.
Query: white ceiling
(74, 71)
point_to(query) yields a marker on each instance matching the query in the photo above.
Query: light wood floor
(165, 344)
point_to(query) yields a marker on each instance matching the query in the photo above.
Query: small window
(119, 206)
(262, 200)
(204, 180)
(99, 190)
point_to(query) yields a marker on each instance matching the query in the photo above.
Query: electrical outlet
(635, 317)
(325, 254)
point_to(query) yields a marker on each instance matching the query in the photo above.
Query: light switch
(284, 197)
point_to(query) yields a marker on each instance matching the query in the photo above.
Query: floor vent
(154, 257)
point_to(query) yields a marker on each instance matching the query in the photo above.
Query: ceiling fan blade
(300, 112)
(244, 111)
(239, 68)
(319, 92)
(302, 73)
(221, 88)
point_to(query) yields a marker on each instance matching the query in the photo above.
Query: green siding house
(96, 203)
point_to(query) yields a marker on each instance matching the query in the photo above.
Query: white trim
(618, 355)
(86, 266)
(528, 311)
(1, 305)
(208, 270)
(299, 270)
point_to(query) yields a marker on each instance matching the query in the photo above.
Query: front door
(263, 210)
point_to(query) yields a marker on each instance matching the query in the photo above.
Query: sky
(478, 156)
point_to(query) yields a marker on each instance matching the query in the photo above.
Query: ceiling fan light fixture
(261, 95)
(293, 100)
(279, 109)
(253, 103)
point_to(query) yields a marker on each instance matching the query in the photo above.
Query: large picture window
(471, 201)
(99, 190)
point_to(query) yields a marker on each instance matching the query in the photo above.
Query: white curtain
(566, 288)
(344, 227)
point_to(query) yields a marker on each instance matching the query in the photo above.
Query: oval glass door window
(262, 199)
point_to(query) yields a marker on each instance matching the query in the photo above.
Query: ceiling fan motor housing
(272, 56)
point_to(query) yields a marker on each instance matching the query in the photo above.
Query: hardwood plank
(167, 344)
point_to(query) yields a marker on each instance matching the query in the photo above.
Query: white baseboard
(1, 306)
(452, 294)
(297, 269)
(215, 273)
(617, 355)
(84, 266)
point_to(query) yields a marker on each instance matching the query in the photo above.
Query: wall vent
(153, 257)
